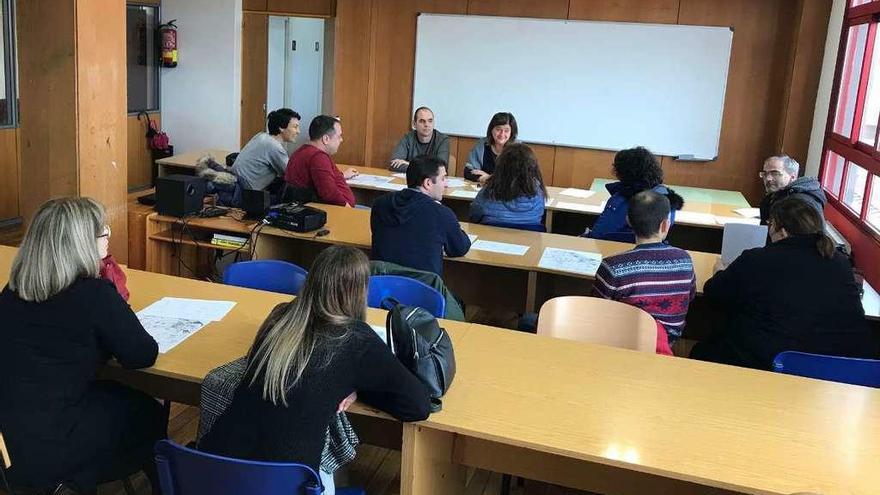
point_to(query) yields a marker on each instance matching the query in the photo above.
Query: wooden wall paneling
(577, 167)
(755, 88)
(9, 172)
(254, 74)
(258, 5)
(456, 166)
(546, 156)
(318, 8)
(548, 9)
(46, 77)
(101, 112)
(803, 81)
(652, 11)
(351, 67)
(465, 145)
(140, 157)
(393, 68)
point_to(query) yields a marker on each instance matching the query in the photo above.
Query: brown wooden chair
(598, 321)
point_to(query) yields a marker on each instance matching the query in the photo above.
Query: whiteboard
(602, 85)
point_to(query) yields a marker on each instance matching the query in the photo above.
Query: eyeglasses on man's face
(774, 174)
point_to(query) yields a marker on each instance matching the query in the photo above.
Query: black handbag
(423, 346)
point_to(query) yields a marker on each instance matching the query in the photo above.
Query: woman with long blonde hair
(308, 357)
(66, 430)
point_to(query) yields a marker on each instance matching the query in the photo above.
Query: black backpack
(423, 346)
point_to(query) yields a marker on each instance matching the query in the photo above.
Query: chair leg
(505, 484)
(5, 484)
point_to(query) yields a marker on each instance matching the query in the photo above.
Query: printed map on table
(569, 260)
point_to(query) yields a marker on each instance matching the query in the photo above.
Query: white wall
(201, 97)
(823, 97)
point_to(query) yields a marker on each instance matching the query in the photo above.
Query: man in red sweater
(311, 166)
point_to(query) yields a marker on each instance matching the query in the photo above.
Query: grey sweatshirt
(262, 159)
(409, 147)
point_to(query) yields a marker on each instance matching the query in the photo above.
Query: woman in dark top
(797, 294)
(481, 160)
(60, 324)
(309, 355)
(637, 170)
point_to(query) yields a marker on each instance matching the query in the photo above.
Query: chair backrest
(407, 291)
(184, 471)
(533, 227)
(271, 275)
(854, 371)
(598, 321)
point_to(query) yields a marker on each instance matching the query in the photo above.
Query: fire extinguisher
(168, 44)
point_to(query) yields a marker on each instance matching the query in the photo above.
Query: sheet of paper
(749, 212)
(455, 182)
(168, 331)
(202, 310)
(568, 260)
(472, 237)
(399, 175)
(463, 193)
(577, 193)
(370, 180)
(381, 332)
(726, 220)
(390, 186)
(564, 205)
(500, 247)
(549, 202)
(741, 236)
(694, 217)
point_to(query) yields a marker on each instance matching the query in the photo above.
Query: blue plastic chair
(854, 371)
(533, 227)
(184, 471)
(271, 275)
(406, 291)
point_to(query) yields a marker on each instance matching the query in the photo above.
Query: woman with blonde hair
(64, 428)
(308, 359)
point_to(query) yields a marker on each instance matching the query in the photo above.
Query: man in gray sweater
(264, 157)
(423, 139)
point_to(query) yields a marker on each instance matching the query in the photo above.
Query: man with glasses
(780, 177)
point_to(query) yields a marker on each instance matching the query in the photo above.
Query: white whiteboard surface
(603, 85)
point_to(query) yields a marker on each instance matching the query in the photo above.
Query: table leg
(427, 464)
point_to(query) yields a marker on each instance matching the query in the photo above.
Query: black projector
(296, 217)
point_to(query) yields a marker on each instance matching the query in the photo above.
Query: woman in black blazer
(61, 322)
(796, 294)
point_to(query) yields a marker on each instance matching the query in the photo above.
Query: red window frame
(850, 148)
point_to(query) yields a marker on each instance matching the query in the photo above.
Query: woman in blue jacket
(514, 194)
(502, 130)
(637, 170)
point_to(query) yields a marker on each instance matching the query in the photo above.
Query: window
(851, 169)
(143, 57)
(8, 92)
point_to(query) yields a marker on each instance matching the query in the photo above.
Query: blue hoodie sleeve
(456, 242)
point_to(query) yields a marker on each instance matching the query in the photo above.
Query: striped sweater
(655, 277)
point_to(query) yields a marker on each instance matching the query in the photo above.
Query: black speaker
(255, 203)
(179, 195)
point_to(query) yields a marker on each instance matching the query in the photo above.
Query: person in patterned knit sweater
(653, 276)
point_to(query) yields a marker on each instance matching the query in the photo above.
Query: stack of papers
(370, 180)
(694, 217)
(171, 320)
(569, 260)
(463, 193)
(390, 186)
(577, 193)
(564, 205)
(454, 182)
(399, 175)
(749, 212)
(500, 247)
(726, 220)
(549, 202)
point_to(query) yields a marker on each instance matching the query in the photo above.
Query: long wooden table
(579, 415)
(698, 228)
(482, 278)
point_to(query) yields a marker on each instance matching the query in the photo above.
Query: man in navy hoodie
(411, 227)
